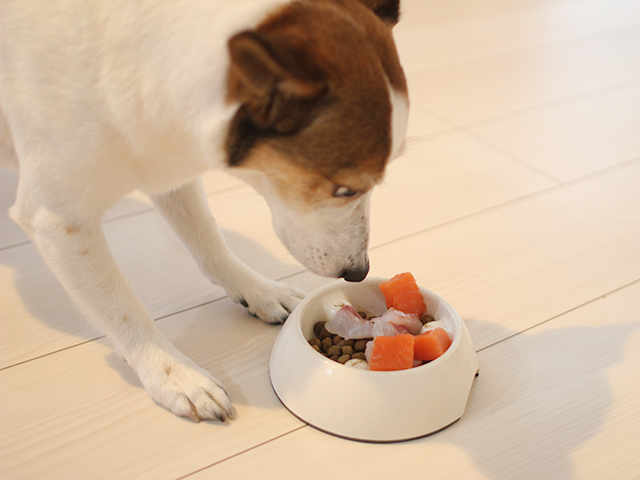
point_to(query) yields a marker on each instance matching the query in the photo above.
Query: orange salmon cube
(431, 344)
(392, 352)
(402, 293)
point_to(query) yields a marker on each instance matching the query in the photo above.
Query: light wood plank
(558, 401)
(530, 260)
(436, 35)
(483, 91)
(443, 178)
(215, 182)
(575, 139)
(82, 413)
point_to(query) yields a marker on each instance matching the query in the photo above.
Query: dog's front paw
(179, 385)
(270, 301)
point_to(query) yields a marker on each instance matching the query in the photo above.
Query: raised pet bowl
(370, 405)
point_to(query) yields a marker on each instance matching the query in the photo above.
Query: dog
(305, 100)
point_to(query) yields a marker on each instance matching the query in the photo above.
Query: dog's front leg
(79, 255)
(187, 211)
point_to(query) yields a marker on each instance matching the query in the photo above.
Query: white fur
(327, 240)
(335, 237)
(98, 98)
(399, 119)
(332, 238)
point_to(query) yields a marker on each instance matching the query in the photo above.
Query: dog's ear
(274, 79)
(387, 10)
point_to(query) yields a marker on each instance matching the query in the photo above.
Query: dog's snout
(355, 274)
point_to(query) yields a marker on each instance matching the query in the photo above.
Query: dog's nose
(355, 274)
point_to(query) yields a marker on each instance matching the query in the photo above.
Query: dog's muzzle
(355, 274)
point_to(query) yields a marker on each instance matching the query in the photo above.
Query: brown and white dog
(304, 99)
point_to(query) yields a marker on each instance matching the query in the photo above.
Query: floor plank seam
(15, 245)
(128, 216)
(515, 201)
(242, 452)
(524, 111)
(94, 339)
(454, 128)
(588, 302)
(54, 352)
(529, 49)
(514, 158)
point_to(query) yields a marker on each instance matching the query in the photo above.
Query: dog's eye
(342, 191)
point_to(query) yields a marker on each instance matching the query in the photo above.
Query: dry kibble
(427, 318)
(344, 359)
(324, 333)
(317, 328)
(336, 347)
(334, 350)
(342, 350)
(360, 345)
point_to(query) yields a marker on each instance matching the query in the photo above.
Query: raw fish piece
(402, 292)
(348, 324)
(431, 344)
(394, 322)
(392, 353)
(367, 351)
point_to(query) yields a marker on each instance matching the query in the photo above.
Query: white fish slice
(393, 322)
(349, 324)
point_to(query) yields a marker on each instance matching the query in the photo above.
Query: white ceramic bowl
(363, 404)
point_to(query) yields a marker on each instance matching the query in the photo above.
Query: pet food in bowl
(402, 337)
(363, 404)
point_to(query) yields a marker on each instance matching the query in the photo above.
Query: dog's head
(322, 109)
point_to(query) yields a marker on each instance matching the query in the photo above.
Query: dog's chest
(167, 162)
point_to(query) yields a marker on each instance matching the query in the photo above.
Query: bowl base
(364, 440)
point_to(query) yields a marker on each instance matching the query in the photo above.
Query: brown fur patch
(346, 132)
(71, 229)
(304, 188)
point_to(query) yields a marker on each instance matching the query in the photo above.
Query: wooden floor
(518, 201)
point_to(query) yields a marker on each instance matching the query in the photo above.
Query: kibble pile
(335, 347)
